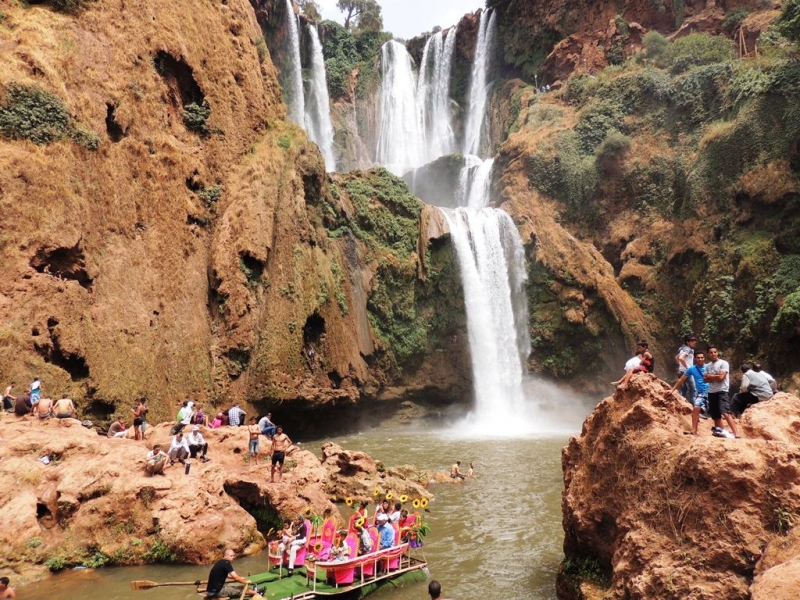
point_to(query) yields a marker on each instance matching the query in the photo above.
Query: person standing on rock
(220, 573)
(8, 399)
(6, 591)
(685, 360)
(280, 444)
(717, 375)
(36, 391)
(139, 411)
(700, 398)
(757, 385)
(253, 431)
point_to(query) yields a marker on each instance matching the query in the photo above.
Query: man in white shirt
(178, 449)
(717, 375)
(156, 461)
(757, 385)
(197, 443)
(685, 359)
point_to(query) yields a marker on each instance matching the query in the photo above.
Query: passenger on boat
(394, 516)
(220, 573)
(286, 535)
(386, 531)
(383, 509)
(300, 539)
(364, 540)
(362, 510)
(340, 549)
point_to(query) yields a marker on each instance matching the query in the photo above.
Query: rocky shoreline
(94, 505)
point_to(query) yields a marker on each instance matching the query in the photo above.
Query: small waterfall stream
(475, 134)
(433, 94)
(294, 91)
(318, 109)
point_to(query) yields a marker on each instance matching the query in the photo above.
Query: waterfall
(493, 273)
(400, 141)
(474, 180)
(433, 94)
(294, 82)
(475, 134)
(318, 109)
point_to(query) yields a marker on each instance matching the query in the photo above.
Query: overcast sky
(408, 18)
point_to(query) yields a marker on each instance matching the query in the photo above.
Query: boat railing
(377, 558)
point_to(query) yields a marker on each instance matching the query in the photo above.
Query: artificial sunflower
(415, 503)
(423, 503)
(390, 495)
(308, 511)
(348, 501)
(404, 498)
(318, 547)
(377, 492)
(360, 522)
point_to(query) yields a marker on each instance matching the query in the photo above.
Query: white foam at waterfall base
(318, 109)
(294, 80)
(400, 141)
(475, 129)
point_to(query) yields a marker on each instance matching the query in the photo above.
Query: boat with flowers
(319, 573)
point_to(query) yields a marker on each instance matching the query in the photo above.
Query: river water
(496, 536)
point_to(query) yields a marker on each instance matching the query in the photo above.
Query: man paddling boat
(220, 573)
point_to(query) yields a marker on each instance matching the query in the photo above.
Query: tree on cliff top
(365, 15)
(310, 9)
(789, 21)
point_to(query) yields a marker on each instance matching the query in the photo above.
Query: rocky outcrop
(650, 512)
(92, 503)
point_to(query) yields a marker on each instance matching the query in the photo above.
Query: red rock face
(668, 515)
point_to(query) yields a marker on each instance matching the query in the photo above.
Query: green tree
(789, 21)
(310, 9)
(363, 15)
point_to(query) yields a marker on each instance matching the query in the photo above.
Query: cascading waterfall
(318, 109)
(433, 94)
(474, 181)
(400, 142)
(475, 130)
(294, 83)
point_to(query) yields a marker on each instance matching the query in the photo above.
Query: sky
(408, 18)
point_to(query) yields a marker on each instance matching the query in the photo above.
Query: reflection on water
(497, 536)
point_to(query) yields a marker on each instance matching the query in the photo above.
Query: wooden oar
(244, 591)
(144, 584)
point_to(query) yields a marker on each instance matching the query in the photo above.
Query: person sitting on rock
(645, 364)
(22, 405)
(6, 591)
(267, 426)
(220, 573)
(236, 415)
(200, 417)
(64, 408)
(386, 531)
(455, 471)
(217, 422)
(197, 443)
(117, 429)
(156, 461)
(340, 550)
(757, 385)
(178, 449)
(44, 409)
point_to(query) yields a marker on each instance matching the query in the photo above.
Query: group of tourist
(455, 471)
(31, 402)
(704, 381)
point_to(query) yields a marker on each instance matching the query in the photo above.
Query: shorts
(699, 400)
(63, 416)
(46, 415)
(227, 591)
(718, 404)
(278, 457)
(254, 446)
(137, 422)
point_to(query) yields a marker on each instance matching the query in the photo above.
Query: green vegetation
(345, 51)
(210, 195)
(56, 562)
(31, 113)
(160, 551)
(261, 48)
(789, 21)
(195, 117)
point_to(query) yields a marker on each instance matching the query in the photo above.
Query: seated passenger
(340, 550)
(386, 531)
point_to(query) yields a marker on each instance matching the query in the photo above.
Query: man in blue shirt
(386, 531)
(696, 372)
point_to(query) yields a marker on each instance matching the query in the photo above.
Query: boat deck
(301, 586)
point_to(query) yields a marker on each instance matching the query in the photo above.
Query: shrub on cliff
(789, 21)
(697, 49)
(345, 52)
(195, 117)
(30, 113)
(595, 122)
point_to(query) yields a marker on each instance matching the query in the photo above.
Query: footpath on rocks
(93, 504)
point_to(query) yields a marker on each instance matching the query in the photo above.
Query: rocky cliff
(650, 512)
(166, 233)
